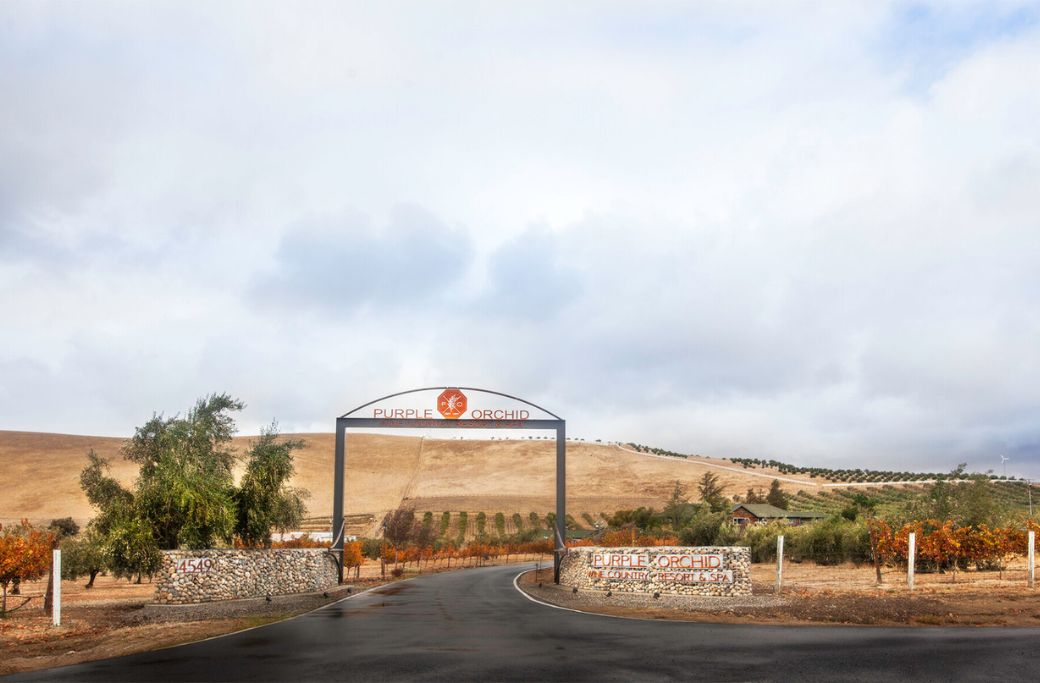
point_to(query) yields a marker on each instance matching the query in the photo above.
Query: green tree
(185, 494)
(704, 528)
(978, 502)
(104, 493)
(399, 526)
(185, 488)
(967, 499)
(642, 518)
(776, 496)
(65, 527)
(678, 509)
(462, 524)
(712, 492)
(425, 534)
(115, 520)
(264, 499)
(753, 496)
(85, 555)
(133, 548)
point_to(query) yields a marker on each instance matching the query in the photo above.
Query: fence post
(56, 569)
(779, 563)
(911, 551)
(1032, 559)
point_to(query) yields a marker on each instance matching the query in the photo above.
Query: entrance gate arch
(450, 412)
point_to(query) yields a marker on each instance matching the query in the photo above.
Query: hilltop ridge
(437, 475)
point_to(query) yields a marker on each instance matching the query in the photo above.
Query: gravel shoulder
(876, 607)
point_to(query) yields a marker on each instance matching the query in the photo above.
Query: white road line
(607, 616)
(542, 602)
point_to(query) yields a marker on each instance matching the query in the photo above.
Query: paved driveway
(473, 625)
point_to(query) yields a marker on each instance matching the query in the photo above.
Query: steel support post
(561, 498)
(337, 495)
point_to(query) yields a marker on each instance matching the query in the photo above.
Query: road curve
(473, 625)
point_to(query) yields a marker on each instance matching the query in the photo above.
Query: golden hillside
(41, 475)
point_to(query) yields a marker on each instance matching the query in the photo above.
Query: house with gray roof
(755, 513)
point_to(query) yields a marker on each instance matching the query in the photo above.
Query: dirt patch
(934, 604)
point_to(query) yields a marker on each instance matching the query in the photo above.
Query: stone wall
(679, 570)
(191, 576)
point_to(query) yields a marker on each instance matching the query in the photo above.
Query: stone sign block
(680, 570)
(187, 576)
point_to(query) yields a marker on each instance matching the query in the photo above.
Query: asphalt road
(473, 625)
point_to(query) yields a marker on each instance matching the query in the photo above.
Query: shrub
(704, 528)
(761, 538)
(832, 541)
(462, 524)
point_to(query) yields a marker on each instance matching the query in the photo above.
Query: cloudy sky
(803, 230)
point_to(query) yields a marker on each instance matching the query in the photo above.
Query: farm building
(753, 513)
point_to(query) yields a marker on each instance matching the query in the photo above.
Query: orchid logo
(451, 404)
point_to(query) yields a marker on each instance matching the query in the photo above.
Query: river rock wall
(677, 570)
(193, 576)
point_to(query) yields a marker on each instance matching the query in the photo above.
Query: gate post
(910, 560)
(337, 496)
(561, 499)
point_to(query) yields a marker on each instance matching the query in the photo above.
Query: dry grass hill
(41, 476)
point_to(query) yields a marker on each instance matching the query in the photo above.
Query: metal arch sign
(453, 408)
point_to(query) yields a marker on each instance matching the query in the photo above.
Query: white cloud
(805, 231)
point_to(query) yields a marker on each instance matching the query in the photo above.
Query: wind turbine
(1003, 461)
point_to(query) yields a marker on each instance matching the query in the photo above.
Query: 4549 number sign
(194, 565)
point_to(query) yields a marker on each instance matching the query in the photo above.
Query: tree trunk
(16, 585)
(3, 606)
(93, 575)
(875, 555)
(48, 599)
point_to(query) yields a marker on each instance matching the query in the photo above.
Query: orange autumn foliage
(25, 554)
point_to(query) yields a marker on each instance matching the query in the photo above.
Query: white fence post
(911, 551)
(56, 569)
(779, 563)
(1032, 559)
